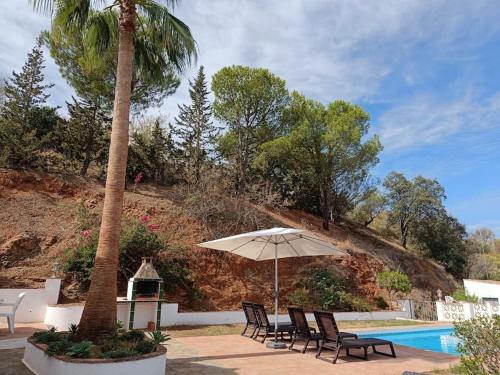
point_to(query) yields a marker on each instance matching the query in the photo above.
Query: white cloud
(428, 120)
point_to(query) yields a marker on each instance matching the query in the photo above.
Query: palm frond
(101, 32)
(167, 31)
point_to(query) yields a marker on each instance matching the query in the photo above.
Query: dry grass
(233, 329)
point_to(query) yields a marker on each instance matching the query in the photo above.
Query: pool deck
(234, 354)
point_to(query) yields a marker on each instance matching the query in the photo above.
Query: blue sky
(427, 72)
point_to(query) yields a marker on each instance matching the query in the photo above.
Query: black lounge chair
(267, 327)
(304, 332)
(251, 318)
(331, 339)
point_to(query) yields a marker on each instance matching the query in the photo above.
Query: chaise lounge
(266, 327)
(331, 339)
(303, 332)
(250, 317)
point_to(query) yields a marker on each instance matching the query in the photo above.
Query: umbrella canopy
(274, 243)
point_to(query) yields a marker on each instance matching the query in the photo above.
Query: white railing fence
(449, 312)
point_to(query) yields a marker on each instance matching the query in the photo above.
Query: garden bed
(121, 352)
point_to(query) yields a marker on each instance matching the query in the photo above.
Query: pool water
(436, 340)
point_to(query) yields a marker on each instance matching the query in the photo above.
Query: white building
(486, 290)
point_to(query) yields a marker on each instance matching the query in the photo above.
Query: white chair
(11, 315)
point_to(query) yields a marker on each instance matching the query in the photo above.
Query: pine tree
(153, 153)
(194, 128)
(85, 137)
(24, 93)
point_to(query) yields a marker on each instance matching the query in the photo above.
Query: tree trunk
(99, 314)
(326, 209)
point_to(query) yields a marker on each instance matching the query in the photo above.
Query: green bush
(136, 241)
(332, 292)
(145, 347)
(80, 350)
(299, 297)
(158, 337)
(380, 303)
(479, 345)
(460, 295)
(46, 337)
(134, 335)
(119, 353)
(395, 282)
(58, 347)
(359, 304)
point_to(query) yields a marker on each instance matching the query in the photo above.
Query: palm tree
(96, 21)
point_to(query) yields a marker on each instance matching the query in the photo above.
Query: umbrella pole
(276, 344)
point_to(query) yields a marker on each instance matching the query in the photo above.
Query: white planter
(40, 364)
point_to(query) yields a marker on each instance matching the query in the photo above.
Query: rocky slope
(39, 221)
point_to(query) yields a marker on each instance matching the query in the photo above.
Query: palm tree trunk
(99, 313)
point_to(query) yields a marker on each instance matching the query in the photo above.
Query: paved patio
(233, 354)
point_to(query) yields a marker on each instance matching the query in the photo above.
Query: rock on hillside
(39, 221)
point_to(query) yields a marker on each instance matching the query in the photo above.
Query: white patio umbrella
(274, 243)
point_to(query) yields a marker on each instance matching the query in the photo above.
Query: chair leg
(320, 348)
(10, 322)
(257, 333)
(337, 352)
(244, 330)
(366, 353)
(293, 342)
(254, 330)
(265, 336)
(305, 345)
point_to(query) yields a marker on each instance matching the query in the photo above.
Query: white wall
(482, 288)
(33, 306)
(63, 315)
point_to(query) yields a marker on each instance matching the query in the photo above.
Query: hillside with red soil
(39, 222)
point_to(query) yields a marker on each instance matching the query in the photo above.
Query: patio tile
(233, 354)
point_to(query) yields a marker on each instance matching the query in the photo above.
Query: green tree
(194, 127)
(153, 153)
(479, 345)
(371, 207)
(25, 94)
(443, 238)
(411, 202)
(250, 101)
(96, 26)
(85, 136)
(325, 148)
(94, 76)
(394, 282)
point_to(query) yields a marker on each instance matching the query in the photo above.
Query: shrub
(299, 297)
(145, 347)
(479, 345)
(72, 329)
(395, 282)
(380, 303)
(46, 337)
(119, 353)
(460, 295)
(158, 337)
(80, 350)
(360, 304)
(136, 241)
(134, 335)
(58, 347)
(331, 291)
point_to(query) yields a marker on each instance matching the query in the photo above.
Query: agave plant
(158, 337)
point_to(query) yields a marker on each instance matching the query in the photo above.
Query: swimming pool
(434, 339)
